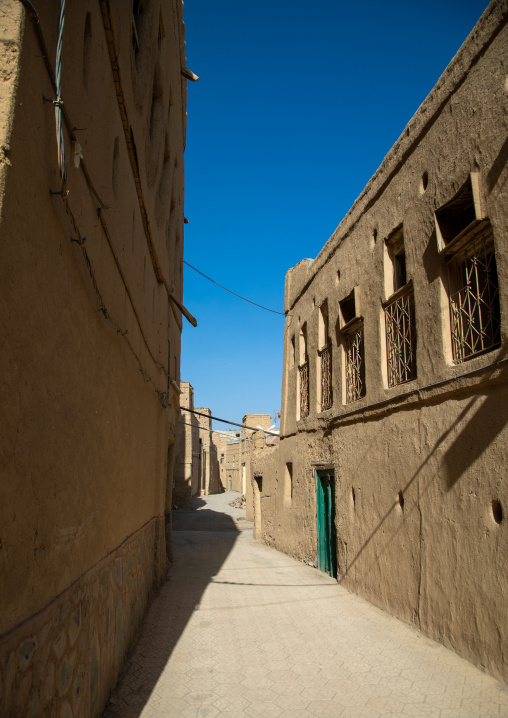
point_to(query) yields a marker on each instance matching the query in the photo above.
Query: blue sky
(295, 108)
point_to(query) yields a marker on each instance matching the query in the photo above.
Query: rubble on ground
(238, 503)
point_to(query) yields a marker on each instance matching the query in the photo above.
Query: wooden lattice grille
(401, 339)
(326, 378)
(304, 390)
(355, 367)
(474, 308)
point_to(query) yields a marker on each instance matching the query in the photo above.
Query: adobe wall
(187, 451)
(264, 421)
(419, 467)
(91, 346)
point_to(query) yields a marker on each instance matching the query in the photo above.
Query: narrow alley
(239, 629)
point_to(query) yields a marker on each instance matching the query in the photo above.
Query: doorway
(327, 533)
(258, 493)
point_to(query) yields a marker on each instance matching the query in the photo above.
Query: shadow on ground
(202, 540)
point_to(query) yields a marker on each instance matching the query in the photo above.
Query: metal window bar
(474, 308)
(401, 339)
(304, 390)
(326, 377)
(355, 367)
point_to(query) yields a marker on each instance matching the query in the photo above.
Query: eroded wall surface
(419, 462)
(91, 342)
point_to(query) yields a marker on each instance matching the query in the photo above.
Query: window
(324, 363)
(395, 262)
(399, 312)
(353, 347)
(303, 376)
(288, 482)
(401, 337)
(466, 241)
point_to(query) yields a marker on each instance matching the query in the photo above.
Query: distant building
(196, 464)
(187, 471)
(391, 472)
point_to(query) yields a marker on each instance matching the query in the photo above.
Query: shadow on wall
(485, 422)
(195, 563)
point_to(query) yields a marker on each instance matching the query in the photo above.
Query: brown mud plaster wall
(90, 348)
(66, 660)
(396, 368)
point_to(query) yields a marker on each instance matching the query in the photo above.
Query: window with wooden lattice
(324, 363)
(399, 309)
(466, 240)
(303, 376)
(354, 350)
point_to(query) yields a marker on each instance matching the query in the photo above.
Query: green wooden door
(327, 536)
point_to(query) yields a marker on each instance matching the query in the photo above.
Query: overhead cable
(225, 421)
(274, 311)
(212, 431)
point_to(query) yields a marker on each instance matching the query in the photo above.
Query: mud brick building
(91, 250)
(392, 469)
(196, 463)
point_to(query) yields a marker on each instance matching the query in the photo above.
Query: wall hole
(401, 500)
(497, 511)
(373, 239)
(424, 182)
(353, 496)
(338, 276)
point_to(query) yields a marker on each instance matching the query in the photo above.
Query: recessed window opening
(292, 351)
(288, 481)
(348, 308)
(323, 325)
(353, 496)
(497, 511)
(457, 214)
(424, 182)
(399, 313)
(395, 258)
(324, 372)
(303, 344)
(373, 238)
(399, 263)
(338, 276)
(303, 374)
(401, 500)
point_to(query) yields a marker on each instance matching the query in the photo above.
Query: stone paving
(241, 630)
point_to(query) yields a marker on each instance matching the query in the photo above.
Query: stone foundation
(64, 661)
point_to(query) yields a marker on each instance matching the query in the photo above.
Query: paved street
(240, 630)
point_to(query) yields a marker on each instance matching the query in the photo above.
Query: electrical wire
(225, 421)
(274, 311)
(210, 431)
(61, 113)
